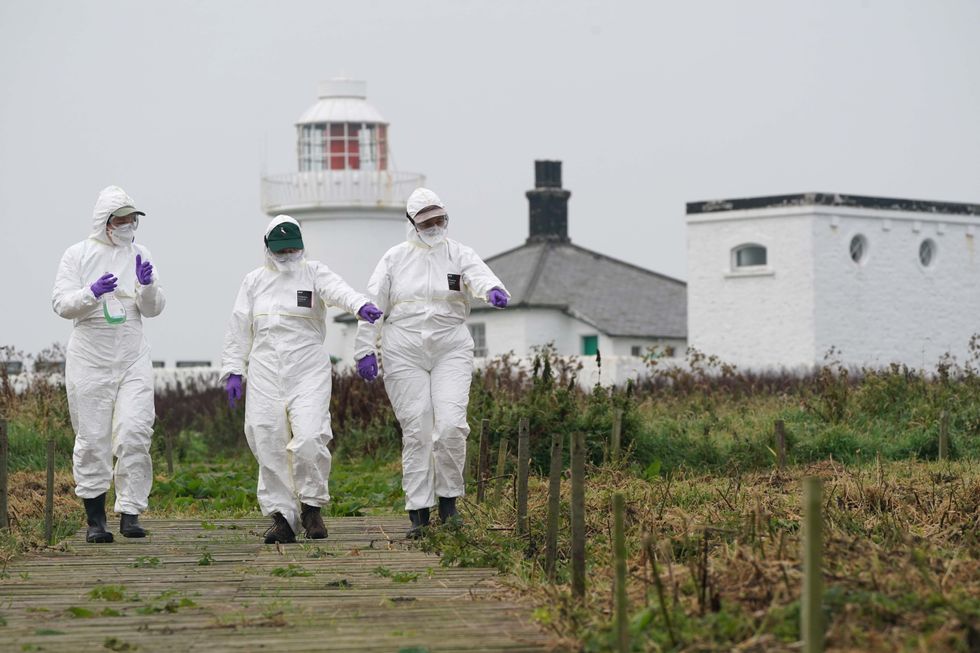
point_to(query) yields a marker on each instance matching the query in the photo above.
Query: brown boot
(313, 522)
(280, 532)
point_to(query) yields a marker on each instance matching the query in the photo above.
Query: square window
(590, 345)
(479, 333)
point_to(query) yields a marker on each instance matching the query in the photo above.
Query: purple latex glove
(367, 367)
(497, 297)
(106, 283)
(369, 312)
(144, 271)
(233, 386)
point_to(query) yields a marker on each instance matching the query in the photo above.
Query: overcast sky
(648, 105)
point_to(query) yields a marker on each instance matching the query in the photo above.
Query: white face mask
(433, 235)
(288, 258)
(123, 234)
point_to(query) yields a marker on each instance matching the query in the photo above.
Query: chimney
(548, 204)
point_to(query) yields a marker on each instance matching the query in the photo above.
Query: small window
(859, 249)
(159, 364)
(590, 345)
(747, 256)
(927, 252)
(636, 350)
(479, 333)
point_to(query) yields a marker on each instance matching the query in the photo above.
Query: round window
(927, 252)
(859, 248)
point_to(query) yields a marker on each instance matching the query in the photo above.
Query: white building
(778, 281)
(578, 299)
(349, 201)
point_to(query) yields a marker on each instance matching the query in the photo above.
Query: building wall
(890, 308)
(762, 318)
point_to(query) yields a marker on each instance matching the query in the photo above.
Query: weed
(291, 571)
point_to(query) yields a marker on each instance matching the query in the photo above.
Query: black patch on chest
(454, 280)
(304, 298)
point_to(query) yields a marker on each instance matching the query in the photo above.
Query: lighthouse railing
(329, 188)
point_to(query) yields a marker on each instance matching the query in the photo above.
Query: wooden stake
(578, 515)
(651, 547)
(501, 469)
(619, 595)
(944, 436)
(554, 505)
(617, 434)
(4, 452)
(523, 467)
(483, 457)
(169, 441)
(811, 619)
(49, 497)
(780, 444)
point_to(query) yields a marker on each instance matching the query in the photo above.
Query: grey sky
(648, 104)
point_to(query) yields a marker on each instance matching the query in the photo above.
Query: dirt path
(196, 585)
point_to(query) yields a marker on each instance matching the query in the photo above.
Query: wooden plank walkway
(214, 586)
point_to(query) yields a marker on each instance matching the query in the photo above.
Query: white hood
(270, 260)
(110, 199)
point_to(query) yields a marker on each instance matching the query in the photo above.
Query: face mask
(433, 235)
(123, 234)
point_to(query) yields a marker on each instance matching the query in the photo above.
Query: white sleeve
(334, 291)
(238, 337)
(368, 338)
(72, 297)
(478, 276)
(149, 299)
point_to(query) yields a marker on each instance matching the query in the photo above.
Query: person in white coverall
(275, 340)
(424, 287)
(107, 285)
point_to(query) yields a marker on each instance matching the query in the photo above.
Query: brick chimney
(548, 204)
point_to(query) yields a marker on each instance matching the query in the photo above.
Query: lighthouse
(345, 194)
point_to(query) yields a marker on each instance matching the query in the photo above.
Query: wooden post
(780, 444)
(523, 465)
(4, 452)
(619, 596)
(49, 496)
(651, 547)
(483, 457)
(811, 619)
(578, 515)
(169, 441)
(501, 469)
(617, 434)
(554, 504)
(944, 435)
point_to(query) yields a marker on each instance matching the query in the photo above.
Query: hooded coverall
(427, 356)
(108, 372)
(275, 340)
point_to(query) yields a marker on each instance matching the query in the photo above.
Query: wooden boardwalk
(214, 586)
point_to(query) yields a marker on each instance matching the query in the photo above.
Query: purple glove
(144, 271)
(106, 283)
(497, 297)
(369, 312)
(233, 386)
(367, 367)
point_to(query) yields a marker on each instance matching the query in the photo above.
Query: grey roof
(617, 298)
(833, 199)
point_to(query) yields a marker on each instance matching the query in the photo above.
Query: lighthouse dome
(342, 101)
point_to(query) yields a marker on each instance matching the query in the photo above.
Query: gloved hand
(233, 386)
(497, 297)
(367, 367)
(144, 271)
(106, 283)
(369, 312)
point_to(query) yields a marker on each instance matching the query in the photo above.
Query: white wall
(890, 308)
(759, 319)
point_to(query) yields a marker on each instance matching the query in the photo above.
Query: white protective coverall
(427, 356)
(108, 372)
(275, 340)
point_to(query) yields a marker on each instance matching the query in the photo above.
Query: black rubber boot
(95, 516)
(313, 522)
(129, 526)
(447, 510)
(280, 532)
(420, 522)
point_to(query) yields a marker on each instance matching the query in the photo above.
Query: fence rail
(334, 188)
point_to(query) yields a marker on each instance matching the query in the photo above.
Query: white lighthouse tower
(349, 201)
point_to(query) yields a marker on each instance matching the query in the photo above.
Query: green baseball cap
(284, 236)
